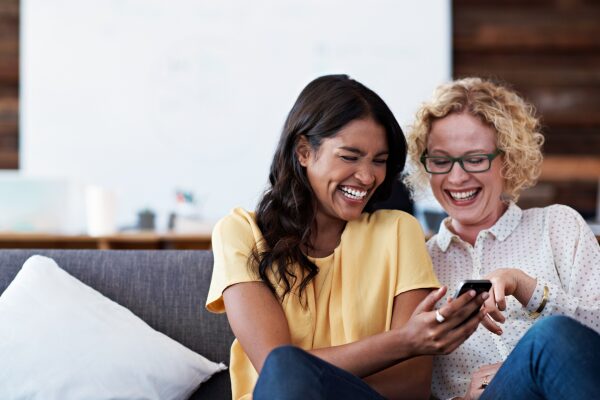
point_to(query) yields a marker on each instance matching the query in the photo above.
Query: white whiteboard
(146, 96)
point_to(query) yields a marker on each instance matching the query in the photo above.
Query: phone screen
(479, 285)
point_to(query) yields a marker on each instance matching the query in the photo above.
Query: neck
(469, 232)
(325, 237)
(466, 233)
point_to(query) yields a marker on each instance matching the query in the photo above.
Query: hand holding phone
(479, 285)
(441, 331)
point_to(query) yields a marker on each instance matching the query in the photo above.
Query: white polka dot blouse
(552, 244)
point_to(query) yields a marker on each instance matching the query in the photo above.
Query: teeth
(463, 195)
(354, 194)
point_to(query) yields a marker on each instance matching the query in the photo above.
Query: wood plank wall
(9, 84)
(549, 51)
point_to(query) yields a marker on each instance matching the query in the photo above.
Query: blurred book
(39, 205)
(182, 224)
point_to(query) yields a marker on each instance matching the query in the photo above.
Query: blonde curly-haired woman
(477, 144)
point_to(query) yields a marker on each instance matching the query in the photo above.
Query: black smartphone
(479, 285)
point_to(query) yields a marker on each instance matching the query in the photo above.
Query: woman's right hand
(427, 336)
(506, 282)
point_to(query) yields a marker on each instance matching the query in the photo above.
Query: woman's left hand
(480, 379)
(506, 282)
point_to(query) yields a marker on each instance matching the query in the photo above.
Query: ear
(303, 150)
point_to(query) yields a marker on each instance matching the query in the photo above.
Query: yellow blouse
(380, 255)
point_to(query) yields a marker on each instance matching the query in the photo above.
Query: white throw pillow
(61, 339)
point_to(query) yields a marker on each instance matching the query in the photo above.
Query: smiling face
(345, 170)
(473, 200)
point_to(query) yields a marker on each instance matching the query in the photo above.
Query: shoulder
(554, 215)
(562, 211)
(560, 222)
(238, 218)
(565, 221)
(238, 225)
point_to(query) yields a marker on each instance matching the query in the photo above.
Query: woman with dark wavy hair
(339, 298)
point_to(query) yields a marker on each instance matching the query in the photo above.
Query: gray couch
(167, 289)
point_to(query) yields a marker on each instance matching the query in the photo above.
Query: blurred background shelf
(571, 168)
(121, 241)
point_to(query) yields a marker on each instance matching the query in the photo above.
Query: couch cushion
(167, 289)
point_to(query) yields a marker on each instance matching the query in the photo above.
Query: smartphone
(479, 285)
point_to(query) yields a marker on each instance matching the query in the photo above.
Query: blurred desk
(120, 241)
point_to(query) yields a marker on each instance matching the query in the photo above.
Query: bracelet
(536, 313)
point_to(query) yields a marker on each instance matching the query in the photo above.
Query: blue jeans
(291, 373)
(558, 358)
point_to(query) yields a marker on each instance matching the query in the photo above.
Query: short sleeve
(414, 263)
(233, 240)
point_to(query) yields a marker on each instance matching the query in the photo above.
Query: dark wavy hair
(286, 211)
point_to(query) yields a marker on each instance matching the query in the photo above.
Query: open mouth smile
(464, 195)
(353, 194)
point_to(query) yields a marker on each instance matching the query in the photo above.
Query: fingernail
(472, 293)
(499, 332)
(485, 295)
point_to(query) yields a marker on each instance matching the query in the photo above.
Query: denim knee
(288, 373)
(284, 356)
(560, 335)
(555, 322)
(281, 361)
(553, 326)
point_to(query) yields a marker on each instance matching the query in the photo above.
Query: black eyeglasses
(470, 163)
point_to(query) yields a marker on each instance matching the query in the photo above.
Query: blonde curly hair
(513, 119)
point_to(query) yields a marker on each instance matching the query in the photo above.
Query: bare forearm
(383, 364)
(367, 356)
(410, 379)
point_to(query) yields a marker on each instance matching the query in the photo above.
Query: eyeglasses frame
(460, 161)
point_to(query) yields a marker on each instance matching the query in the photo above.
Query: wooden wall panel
(489, 27)
(549, 52)
(518, 68)
(9, 84)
